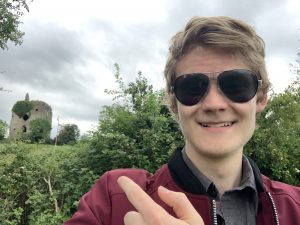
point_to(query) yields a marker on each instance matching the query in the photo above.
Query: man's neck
(224, 172)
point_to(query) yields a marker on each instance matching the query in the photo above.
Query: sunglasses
(238, 85)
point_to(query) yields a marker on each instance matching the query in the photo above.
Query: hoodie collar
(186, 179)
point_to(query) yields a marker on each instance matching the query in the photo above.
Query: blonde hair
(221, 33)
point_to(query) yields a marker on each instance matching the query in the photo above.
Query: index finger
(138, 198)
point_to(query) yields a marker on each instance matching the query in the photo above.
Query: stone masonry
(21, 124)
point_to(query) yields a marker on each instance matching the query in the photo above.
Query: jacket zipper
(274, 208)
(214, 206)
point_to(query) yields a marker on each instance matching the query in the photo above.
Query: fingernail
(121, 180)
(163, 189)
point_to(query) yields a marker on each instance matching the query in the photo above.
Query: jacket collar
(257, 176)
(185, 179)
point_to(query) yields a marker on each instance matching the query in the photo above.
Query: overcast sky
(69, 48)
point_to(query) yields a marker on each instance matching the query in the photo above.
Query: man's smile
(217, 124)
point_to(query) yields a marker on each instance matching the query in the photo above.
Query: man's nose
(214, 100)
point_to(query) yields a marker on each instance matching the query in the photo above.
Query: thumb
(181, 206)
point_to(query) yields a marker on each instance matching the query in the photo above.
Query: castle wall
(40, 110)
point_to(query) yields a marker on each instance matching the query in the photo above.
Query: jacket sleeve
(94, 207)
(106, 203)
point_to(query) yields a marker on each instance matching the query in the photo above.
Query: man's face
(216, 127)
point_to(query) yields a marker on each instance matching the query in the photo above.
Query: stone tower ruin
(23, 112)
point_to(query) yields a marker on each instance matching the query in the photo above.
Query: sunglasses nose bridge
(214, 82)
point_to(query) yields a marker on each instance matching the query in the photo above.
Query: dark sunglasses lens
(189, 89)
(238, 85)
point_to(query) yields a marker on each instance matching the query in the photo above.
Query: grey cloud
(270, 18)
(281, 37)
(46, 53)
(248, 10)
(81, 105)
(129, 45)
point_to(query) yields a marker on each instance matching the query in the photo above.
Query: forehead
(201, 59)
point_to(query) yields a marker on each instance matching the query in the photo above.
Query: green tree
(276, 143)
(10, 13)
(3, 129)
(136, 131)
(39, 130)
(68, 134)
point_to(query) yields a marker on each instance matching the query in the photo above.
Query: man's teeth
(226, 124)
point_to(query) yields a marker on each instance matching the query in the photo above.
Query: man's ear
(261, 103)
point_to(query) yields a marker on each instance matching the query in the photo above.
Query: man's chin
(217, 152)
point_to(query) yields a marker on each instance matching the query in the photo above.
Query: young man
(216, 84)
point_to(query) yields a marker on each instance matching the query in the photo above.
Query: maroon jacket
(106, 203)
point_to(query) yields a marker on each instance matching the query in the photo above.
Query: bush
(39, 130)
(68, 134)
(41, 184)
(3, 129)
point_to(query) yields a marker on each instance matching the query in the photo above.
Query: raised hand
(150, 213)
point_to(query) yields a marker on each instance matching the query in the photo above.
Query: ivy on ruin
(22, 108)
